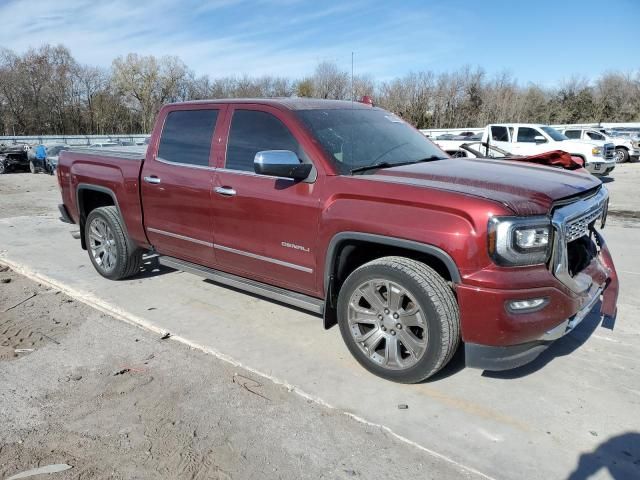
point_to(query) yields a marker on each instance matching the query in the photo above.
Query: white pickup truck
(533, 139)
(625, 148)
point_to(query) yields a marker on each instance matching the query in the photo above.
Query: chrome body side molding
(179, 237)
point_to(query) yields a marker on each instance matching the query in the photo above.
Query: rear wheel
(622, 155)
(399, 319)
(3, 167)
(109, 248)
(32, 167)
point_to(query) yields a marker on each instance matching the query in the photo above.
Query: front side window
(595, 136)
(575, 134)
(186, 136)
(528, 135)
(253, 131)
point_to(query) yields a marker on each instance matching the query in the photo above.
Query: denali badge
(295, 247)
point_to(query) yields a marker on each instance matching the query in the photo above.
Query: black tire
(3, 168)
(32, 167)
(128, 258)
(622, 155)
(433, 296)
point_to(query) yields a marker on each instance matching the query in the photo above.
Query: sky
(539, 41)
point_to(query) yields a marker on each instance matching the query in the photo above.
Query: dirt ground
(114, 401)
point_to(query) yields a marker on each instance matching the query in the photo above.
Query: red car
(345, 210)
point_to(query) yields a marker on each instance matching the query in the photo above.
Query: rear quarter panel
(121, 176)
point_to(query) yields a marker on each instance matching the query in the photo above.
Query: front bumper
(498, 339)
(497, 358)
(600, 168)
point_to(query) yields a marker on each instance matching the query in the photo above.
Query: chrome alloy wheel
(619, 155)
(387, 324)
(102, 244)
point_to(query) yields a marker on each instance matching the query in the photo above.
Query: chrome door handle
(228, 191)
(152, 179)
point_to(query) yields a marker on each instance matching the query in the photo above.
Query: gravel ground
(115, 401)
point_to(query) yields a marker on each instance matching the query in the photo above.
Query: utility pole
(352, 92)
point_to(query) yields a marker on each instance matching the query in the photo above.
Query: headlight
(517, 241)
(597, 151)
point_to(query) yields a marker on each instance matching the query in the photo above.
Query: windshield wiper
(390, 165)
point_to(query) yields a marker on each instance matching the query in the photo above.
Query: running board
(299, 300)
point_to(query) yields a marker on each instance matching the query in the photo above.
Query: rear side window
(253, 131)
(499, 134)
(186, 136)
(575, 134)
(528, 135)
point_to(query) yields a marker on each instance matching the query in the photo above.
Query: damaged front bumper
(598, 281)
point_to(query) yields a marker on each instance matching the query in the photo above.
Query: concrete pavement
(577, 405)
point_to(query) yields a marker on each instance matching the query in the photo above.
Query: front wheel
(32, 167)
(399, 319)
(109, 248)
(621, 155)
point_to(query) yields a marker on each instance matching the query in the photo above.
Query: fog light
(530, 305)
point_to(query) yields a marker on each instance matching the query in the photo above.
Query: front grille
(609, 151)
(571, 222)
(580, 226)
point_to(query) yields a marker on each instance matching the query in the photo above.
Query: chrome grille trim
(579, 227)
(571, 222)
(608, 151)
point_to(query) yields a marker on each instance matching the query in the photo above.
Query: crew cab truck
(533, 139)
(625, 148)
(347, 211)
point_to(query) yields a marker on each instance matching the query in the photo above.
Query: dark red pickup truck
(343, 209)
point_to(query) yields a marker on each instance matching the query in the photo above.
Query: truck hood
(526, 189)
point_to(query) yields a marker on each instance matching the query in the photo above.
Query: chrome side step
(299, 300)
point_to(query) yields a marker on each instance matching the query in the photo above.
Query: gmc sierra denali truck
(345, 210)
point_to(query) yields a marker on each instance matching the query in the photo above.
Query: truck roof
(290, 103)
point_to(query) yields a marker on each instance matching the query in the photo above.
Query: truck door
(265, 227)
(500, 137)
(529, 141)
(176, 185)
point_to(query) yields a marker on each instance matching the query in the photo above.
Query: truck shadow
(619, 456)
(151, 268)
(561, 347)
(260, 297)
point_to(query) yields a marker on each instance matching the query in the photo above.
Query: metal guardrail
(71, 139)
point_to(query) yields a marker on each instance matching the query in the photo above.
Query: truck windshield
(555, 134)
(357, 138)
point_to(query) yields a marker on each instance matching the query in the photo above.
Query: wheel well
(88, 200)
(622, 147)
(351, 254)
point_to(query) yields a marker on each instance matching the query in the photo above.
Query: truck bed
(115, 172)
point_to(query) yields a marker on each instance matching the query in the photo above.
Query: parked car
(533, 139)
(347, 211)
(14, 157)
(104, 145)
(53, 153)
(626, 148)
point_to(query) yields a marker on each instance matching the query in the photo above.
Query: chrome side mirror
(281, 163)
